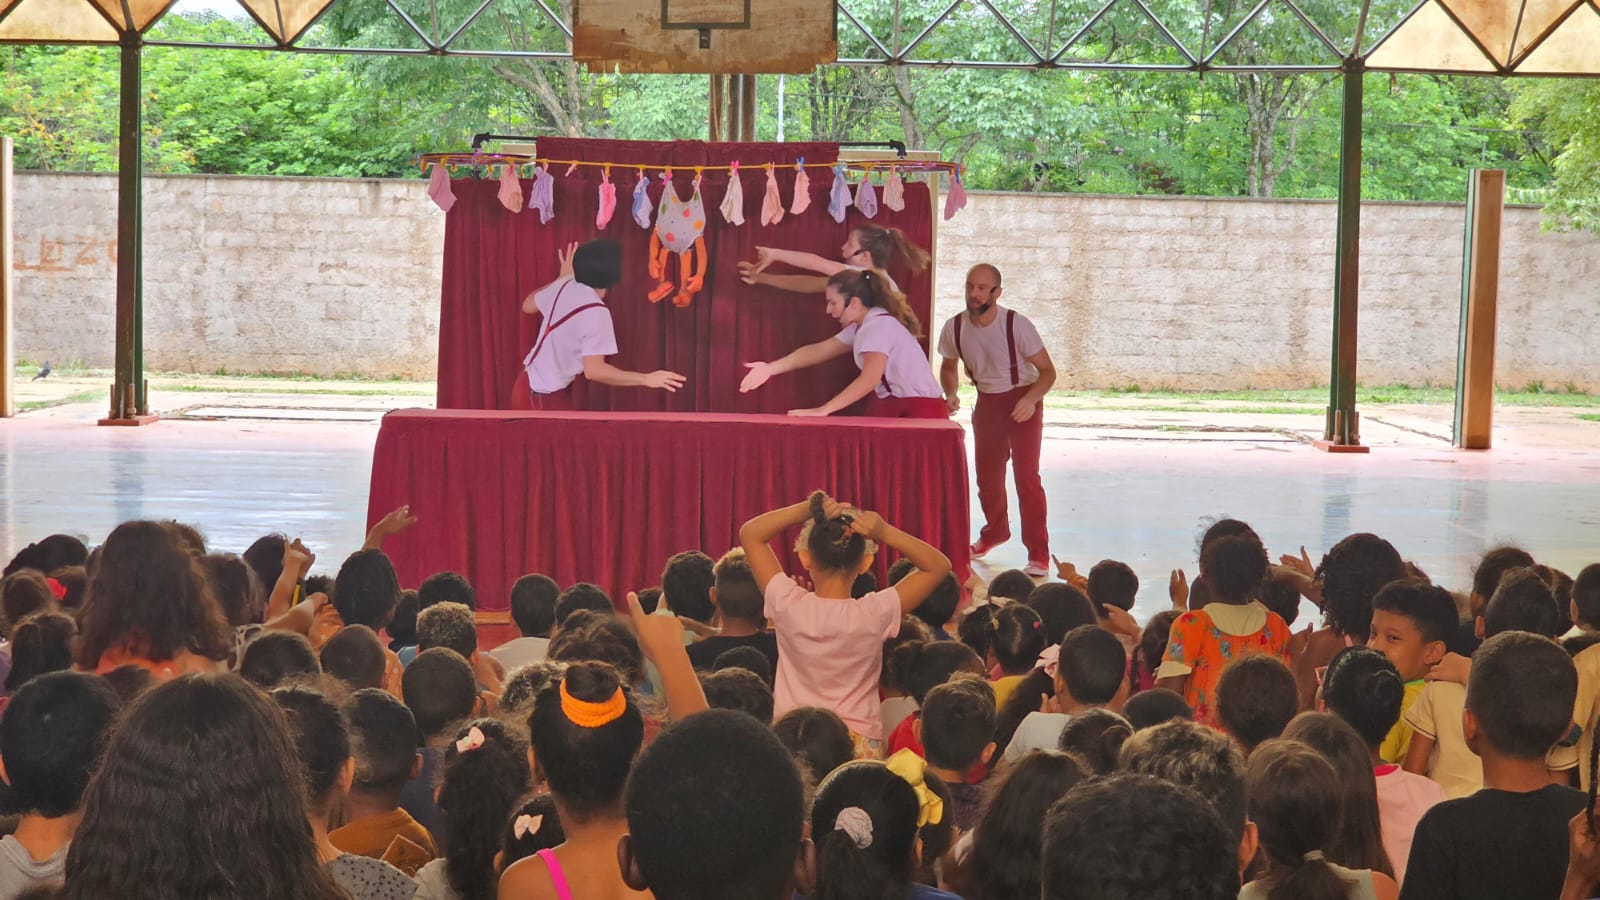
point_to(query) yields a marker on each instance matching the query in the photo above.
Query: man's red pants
(997, 438)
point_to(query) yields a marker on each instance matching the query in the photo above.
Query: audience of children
(592, 769)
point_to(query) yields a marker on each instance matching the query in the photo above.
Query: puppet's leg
(659, 256)
(694, 273)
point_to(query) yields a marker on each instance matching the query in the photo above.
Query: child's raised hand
(1069, 573)
(1300, 564)
(866, 523)
(1178, 590)
(297, 559)
(565, 257)
(1120, 621)
(657, 634)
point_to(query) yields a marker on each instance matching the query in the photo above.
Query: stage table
(607, 497)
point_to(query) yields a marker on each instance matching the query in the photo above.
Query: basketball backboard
(730, 37)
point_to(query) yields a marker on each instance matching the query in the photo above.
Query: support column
(1342, 432)
(8, 347)
(1480, 295)
(128, 394)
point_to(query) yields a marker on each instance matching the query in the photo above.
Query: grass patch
(1589, 417)
(1534, 394)
(403, 388)
(80, 397)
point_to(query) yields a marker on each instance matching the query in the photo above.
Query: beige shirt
(1437, 715)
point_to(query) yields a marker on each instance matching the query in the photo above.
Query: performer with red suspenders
(880, 332)
(1005, 358)
(576, 335)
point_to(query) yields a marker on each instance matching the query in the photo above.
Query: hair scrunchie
(911, 767)
(585, 714)
(856, 824)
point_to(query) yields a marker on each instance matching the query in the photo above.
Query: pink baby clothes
(510, 189)
(641, 202)
(894, 191)
(608, 201)
(839, 195)
(867, 197)
(439, 187)
(771, 203)
(957, 200)
(733, 201)
(542, 197)
(802, 189)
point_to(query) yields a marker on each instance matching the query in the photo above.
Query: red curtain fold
(608, 497)
(493, 259)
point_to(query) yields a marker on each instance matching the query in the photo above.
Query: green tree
(1566, 113)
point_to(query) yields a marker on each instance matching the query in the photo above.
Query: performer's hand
(565, 256)
(756, 377)
(749, 273)
(1024, 410)
(764, 258)
(814, 412)
(952, 402)
(664, 380)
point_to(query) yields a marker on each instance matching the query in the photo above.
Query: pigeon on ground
(44, 372)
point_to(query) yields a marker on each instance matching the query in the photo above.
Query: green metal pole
(1342, 426)
(127, 393)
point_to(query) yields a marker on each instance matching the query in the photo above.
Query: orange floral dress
(1205, 641)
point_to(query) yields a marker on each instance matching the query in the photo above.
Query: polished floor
(1139, 497)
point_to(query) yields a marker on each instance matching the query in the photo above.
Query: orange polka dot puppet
(680, 228)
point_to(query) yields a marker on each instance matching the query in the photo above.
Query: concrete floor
(1125, 485)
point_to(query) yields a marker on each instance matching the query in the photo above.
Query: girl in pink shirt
(830, 647)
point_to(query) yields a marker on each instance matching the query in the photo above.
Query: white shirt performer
(1005, 358)
(577, 335)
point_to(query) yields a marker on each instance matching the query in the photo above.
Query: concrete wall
(333, 276)
(310, 275)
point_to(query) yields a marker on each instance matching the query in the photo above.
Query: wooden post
(1480, 295)
(747, 109)
(8, 356)
(715, 109)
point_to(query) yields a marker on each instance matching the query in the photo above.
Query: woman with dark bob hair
(200, 793)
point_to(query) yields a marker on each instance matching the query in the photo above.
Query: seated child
(1136, 836)
(1088, 674)
(41, 643)
(1113, 583)
(1095, 737)
(738, 601)
(50, 742)
(1148, 652)
(1148, 709)
(1439, 744)
(278, 657)
(402, 627)
(323, 743)
(686, 585)
(1509, 839)
(1233, 625)
(485, 777)
(999, 859)
(865, 823)
(740, 690)
(523, 685)
(1586, 613)
(1205, 761)
(533, 609)
(1061, 607)
(534, 826)
(689, 840)
(1363, 688)
(1358, 841)
(1014, 650)
(1010, 586)
(748, 658)
(957, 733)
(453, 625)
(1411, 622)
(1256, 698)
(365, 592)
(384, 740)
(927, 666)
(1295, 802)
(818, 739)
(441, 693)
(355, 657)
(582, 595)
(445, 587)
(830, 646)
(940, 607)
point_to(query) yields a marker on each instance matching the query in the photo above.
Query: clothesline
(488, 160)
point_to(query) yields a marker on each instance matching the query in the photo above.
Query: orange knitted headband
(584, 714)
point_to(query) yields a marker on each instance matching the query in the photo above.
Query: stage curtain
(608, 497)
(493, 259)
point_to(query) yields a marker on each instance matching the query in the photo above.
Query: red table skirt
(607, 497)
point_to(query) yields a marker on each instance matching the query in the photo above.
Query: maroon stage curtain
(493, 259)
(608, 497)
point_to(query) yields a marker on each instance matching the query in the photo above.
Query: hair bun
(592, 682)
(1385, 685)
(818, 513)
